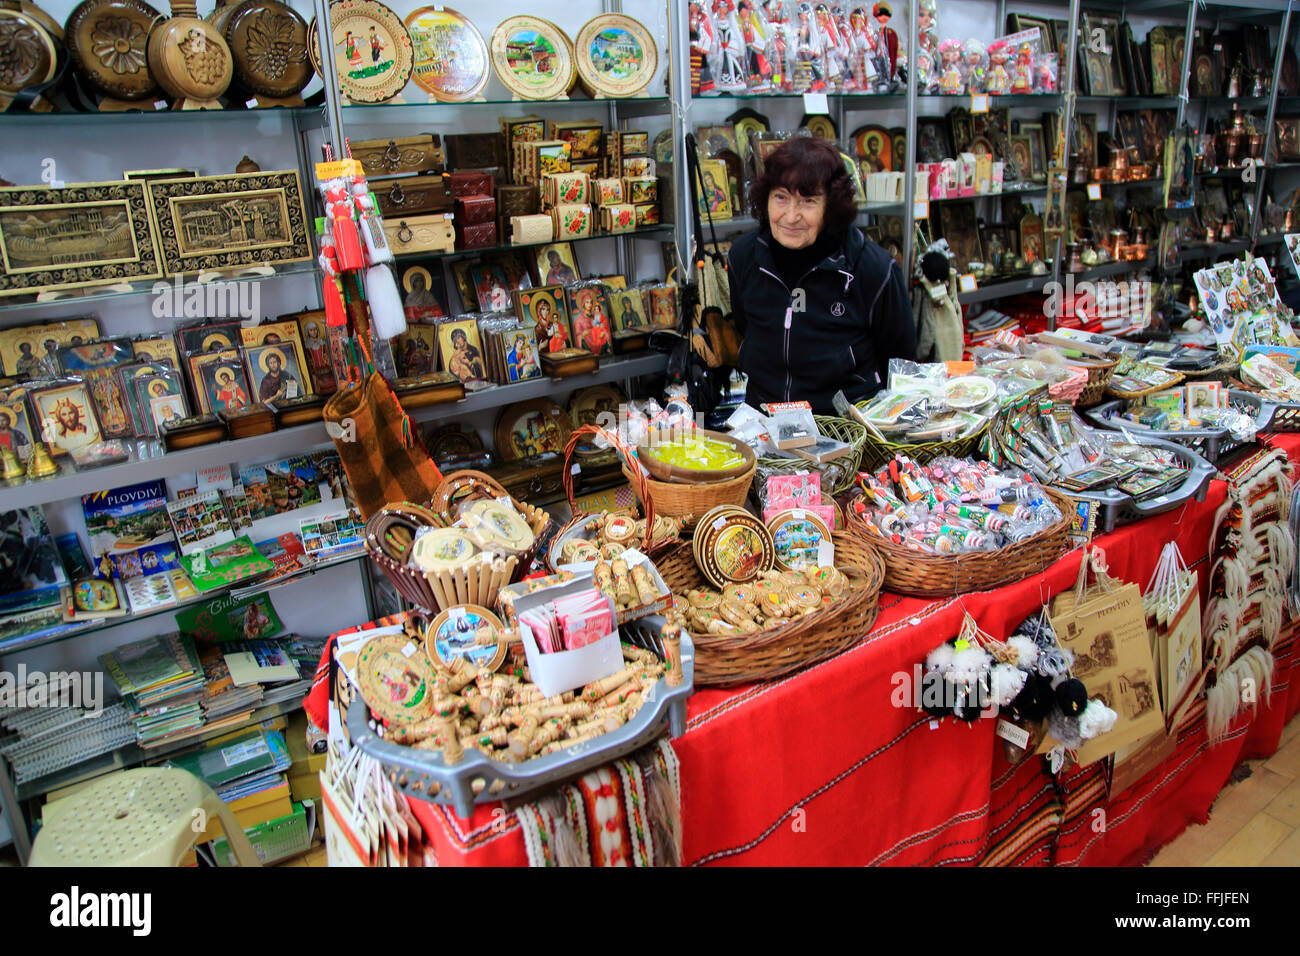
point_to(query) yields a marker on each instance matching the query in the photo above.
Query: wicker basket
(1216, 373)
(839, 475)
(1135, 396)
(877, 454)
(463, 585)
(933, 575)
(1099, 375)
(725, 659)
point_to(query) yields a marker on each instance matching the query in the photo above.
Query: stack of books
(222, 698)
(161, 683)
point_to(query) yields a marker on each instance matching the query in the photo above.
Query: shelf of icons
(653, 232)
(144, 287)
(150, 462)
(133, 755)
(1000, 290)
(54, 635)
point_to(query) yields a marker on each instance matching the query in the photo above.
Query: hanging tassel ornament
(347, 242)
(387, 315)
(371, 224)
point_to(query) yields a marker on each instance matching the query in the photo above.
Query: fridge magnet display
(372, 50)
(460, 351)
(616, 55)
(223, 222)
(66, 417)
(532, 57)
(451, 59)
(75, 237)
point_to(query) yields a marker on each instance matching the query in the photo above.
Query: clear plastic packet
(907, 376)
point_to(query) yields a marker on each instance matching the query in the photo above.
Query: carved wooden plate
(533, 58)
(451, 58)
(188, 56)
(28, 54)
(269, 43)
(616, 55)
(372, 50)
(108, 40)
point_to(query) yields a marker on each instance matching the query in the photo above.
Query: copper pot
(1100, 174)
(1115, 243)
(1136, 173)
(1256, 146)
(1139, 250)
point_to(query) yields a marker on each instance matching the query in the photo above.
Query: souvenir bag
(384, 459)
(351, 829)
(1173, 609)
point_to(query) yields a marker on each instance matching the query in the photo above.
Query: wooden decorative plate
(531, 428)
(797, 536)
(616, 55)
(109, 40)
(31, 54)
(372, 50)
(533, 57)
(735, 547)
(451, 58)
(469, 632)
(586, 405)
(268, 41)
(188, 57)
(397, 683)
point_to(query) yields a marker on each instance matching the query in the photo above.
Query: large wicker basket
(839, 475)
(877, 454)
(933, 575)
(723, 660)
(1099, 375)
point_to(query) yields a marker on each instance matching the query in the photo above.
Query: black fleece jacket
(835, 328)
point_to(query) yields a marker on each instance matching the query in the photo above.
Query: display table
(823, 767)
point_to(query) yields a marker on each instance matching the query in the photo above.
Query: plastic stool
(141, 817)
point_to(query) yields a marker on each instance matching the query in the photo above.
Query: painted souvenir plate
(469, 632)
(497, 526)
(533, 57)
(587, 406)
(797, 536)
(440, 549)
(451, 59)
(372, 50)
(616, 55)
(531, 428)
(736, 548)
(396, 679)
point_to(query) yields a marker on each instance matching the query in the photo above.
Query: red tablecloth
(822, 768)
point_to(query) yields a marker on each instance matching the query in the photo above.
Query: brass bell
(11, 469)
(41, 464)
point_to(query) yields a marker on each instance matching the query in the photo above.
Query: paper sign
(979, 103)
(815, 103)
(920, 208)
(1094, 190)
(1017, 735)
(967, 283)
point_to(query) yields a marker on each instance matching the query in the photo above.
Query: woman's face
(796, 219)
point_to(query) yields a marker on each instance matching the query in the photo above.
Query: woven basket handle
(634, 468)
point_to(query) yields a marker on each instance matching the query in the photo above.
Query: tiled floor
(1254, 822)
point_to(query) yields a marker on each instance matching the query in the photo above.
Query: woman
(820, 308)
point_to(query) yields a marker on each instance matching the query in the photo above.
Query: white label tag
(1163, 499)
(409, 649)
(251, 104)
(160, 104)
(1094, 190)
(825, 554)
(967, 283)
(798, 514)
(934, 725)
(1009, 731)
(920, 209)
(718, 523)
(1056, 757)
(914, 621)
(241, 753)
(576, 469)
(979, 103)
(816, 103)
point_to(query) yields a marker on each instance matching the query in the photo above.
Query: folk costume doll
(836, 55)
(927, 33)
(951, 80)
(998, 81)
(701, 40)
(867, 61)
(888, 39)
(778, 36)
(730, 72)
(809, 54)
(753, 31)
(976, 72)
(1023, 80)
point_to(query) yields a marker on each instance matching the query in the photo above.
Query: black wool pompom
(1071, 697)
(933, 694)
(1034, 700)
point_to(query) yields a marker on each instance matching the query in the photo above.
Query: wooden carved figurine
(190, 59)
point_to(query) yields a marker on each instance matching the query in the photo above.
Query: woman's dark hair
(807, 166)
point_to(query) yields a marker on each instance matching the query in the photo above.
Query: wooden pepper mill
(190, 59)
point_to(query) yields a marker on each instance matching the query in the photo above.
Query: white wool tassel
(1096, 719)
(1282, 545)
(386, 312)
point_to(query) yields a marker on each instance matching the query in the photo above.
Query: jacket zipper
(789, 320)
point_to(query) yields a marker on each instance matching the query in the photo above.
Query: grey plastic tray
(1273, 416)
(1117, 507)
(479, 779)
(1212, 444)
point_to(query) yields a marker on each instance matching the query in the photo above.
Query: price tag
(815, 103)
(798, 514)
(825, 554)
(250, 104)
(920, 208)
(979, 103)
(160, 104)
(1056, 758)
(1094, 190)
(1162, 500)
(1017, 735)
(576, 469)
(967, 283)
(409, 649)
(718, 523)
(934, 725)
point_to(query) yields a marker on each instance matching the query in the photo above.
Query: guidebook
(129, 531)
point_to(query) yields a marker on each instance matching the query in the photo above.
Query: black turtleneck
(793, 264)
